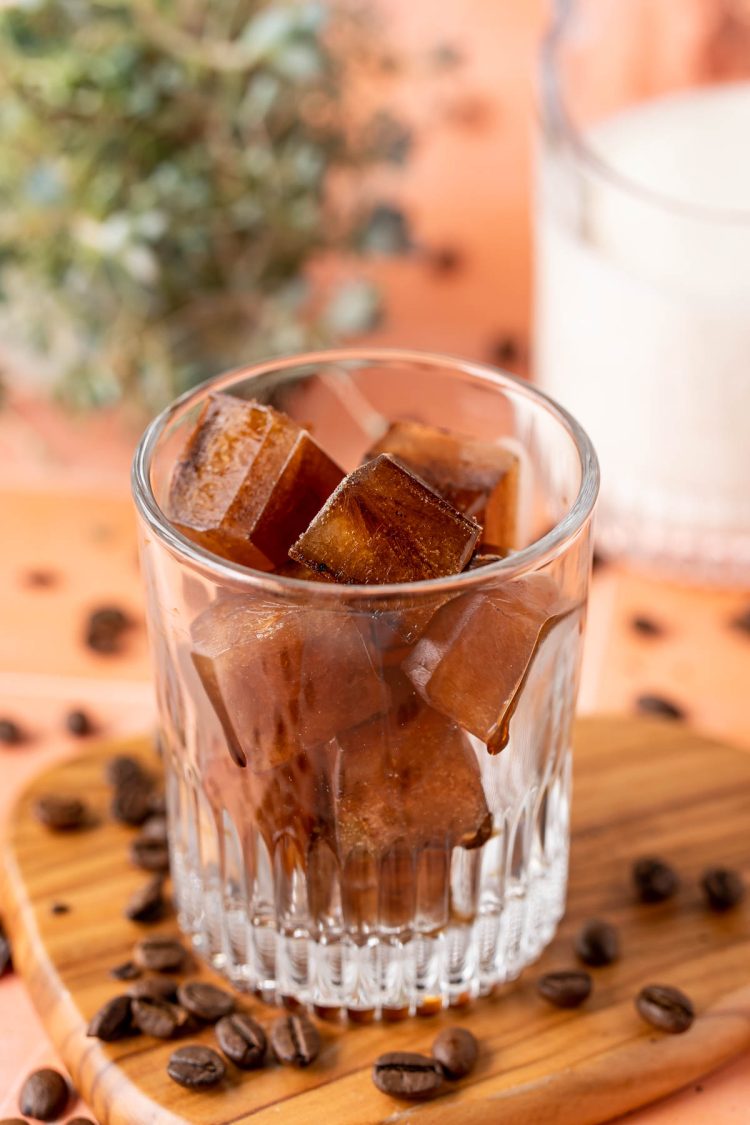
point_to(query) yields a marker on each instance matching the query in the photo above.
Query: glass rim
(552, 96)
(536, 554)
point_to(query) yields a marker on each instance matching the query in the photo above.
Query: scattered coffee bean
(40, 579)
(150, 855)
(104, 629)
(658, 705)
(60, 813)
(742, 621)
(242, 1040)
(598, 561)
(59, 908)
(457, 1050)
(156, 1017)
(665, 1007)
(130, 803)
(10, 732)
(403, 1074)
(504, 351)
(154, 829)
(160, 954)
(445, 260)
(295, 1040)
(112, 1021)
(44, 1095)
(597, 944)
(126, 770)
(147, 904)
(646, 626)
(78, 724)
(722, 887)
(153, 988)
(204, 1000)
(6, 955)
(655, 880)
(128, 970)
(565, 989)
(196, 1067)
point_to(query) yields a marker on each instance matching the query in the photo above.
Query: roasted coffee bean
(147, 903)
(196, 1067)
(742, 621)
(128, 970)
(242, 1040)
(655, 880)
(40, 579)
(665, 1007)
(153, 988)
(156, 1017)
(6, 956)
(722, 887)
(658, 705)
(565, 989)
(457, 1050)
(154, 829)
(295, 1040)
(78, 724)
(125, 770)
(60, 813)
(403, 1074)
(150, 855)
(597, 944)
(104, 628)
(10, 732)
(646, 626)
(130, 803)
(44, 1095)
(204, 1000)
(160, 954)
(59, 908)
(112, 1021)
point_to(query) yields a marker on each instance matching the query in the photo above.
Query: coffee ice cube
(283, 678)
(383, 524)
(473, 658)
(407, 780)
(249, 481)
(479, 478)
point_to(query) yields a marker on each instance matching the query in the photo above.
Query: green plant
(164, 185)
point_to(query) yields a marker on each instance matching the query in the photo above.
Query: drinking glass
(379, 853)
(643, 269)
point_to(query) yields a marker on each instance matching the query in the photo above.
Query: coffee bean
(130, 803)
(242, 1040)
(153, 988)
(128, 970)
(125, 770)
(646, 626)
(456, 1049)
(150, 855)
(655, 880)
(112, 1021)
(742, 621)
(60, 813)
(658, 705)
(44, 1095)
(160, 954)
(147, 903)
(104, 628)
(295, 1040)
(10, 732)
(598, 561)
(6, 956)
(403, 1074)
(665, 1007)
(78, 724)
(565, 989)
(40, 579)
(156, 1017)
(196, 1067)
(722, 887)
(59, 908)
(597, 944)
(204, 1000)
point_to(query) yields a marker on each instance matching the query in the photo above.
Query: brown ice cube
(283, 678)
(249, 481)
(478, 478)
(407, 781)
(383, 524)
(472, 660)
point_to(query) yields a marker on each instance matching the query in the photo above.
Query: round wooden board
(639, 788)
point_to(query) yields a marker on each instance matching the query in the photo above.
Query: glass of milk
(643, 269)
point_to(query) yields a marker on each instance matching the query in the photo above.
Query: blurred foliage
(163, 185)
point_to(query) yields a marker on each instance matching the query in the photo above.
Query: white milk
(643, 320)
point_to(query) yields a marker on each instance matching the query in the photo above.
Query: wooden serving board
(640, 787)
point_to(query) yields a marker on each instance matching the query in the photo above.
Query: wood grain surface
(640, 787)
